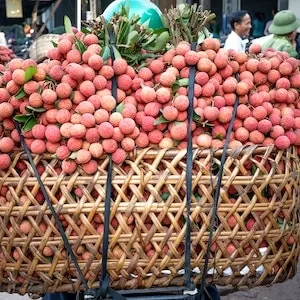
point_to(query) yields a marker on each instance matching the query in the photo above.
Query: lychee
(282, 142)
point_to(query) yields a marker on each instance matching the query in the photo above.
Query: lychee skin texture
(282, 142)
(127, 125)
(5, 161)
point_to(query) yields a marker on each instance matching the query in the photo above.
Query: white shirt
(235, 42)
(2, 39)
(262, 39)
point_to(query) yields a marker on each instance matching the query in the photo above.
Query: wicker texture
(147, 230)
(39, 48)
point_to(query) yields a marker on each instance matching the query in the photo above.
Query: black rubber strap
(189, 284)
(105, 289)
(56, 218)
(216, 196)
(104, 279)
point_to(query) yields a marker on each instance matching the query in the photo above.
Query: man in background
(266, 31)
(240, 23)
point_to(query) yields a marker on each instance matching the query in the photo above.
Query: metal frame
(164, 293)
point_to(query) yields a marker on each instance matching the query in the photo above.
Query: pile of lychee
(6, 54)
(79, 121)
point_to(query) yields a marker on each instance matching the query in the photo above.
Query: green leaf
(120, 107)
(85, 30)
(35, 109)
(105, 53)
(149, 41)
(73, 155)
(201, 37)
(132, 38)
(72, 95)
(197, 196)
(206, 32)
(79, 45)
(179, 83)
(30, 72)
(165, 196)
(68, 25)
(123, 33)
(29, 123)
(161, 120)
(160, 30)
(183, 82)
(20, 94)
(116, 52)
(160, 42)
(49, 78)
(196, 117)
(219, 136)
(54, 44)
(22, 118)
(253, 168)
(176, 143)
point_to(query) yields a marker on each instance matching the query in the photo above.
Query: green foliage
(30, 119)
(188, 23)
(30, 72)
(130, 39)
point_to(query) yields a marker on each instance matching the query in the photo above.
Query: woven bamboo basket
(39, 48)
(148, 213)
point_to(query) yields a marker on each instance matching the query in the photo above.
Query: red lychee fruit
(241, 134)
(204, 140)
(119, 156)
(259, 113)
(287, 121)
(282, 142)
(225, 114)
(87, 88)
(127, 125)
(221, 60)
(156, 66)
(83, 156)
(250, 123)
(256, 137)
(264, 126)
(211, 113)
(120, 66)
(276, 131)
(52, 133)
(255, 48)
(178, 131)
(74, 56)
(283, 83)
(285, 68)
(201, 78)
(243, 111)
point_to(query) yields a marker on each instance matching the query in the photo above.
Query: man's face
(243, 28)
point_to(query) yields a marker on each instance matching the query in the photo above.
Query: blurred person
(284, 29)
(214, 28)
(3, 41)
(298, 41)
(258, 25)
(27, 30)
(268, 24)
(240, 23)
